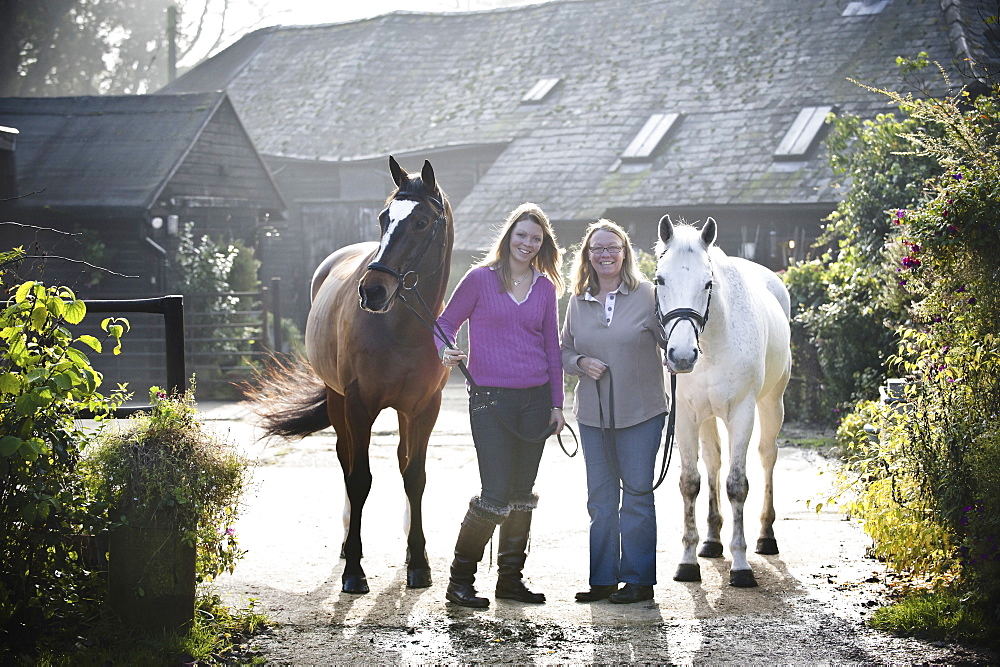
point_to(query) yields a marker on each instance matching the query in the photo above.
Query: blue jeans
(508, 464)
(622, 525)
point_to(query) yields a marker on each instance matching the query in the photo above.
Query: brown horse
(374, 356)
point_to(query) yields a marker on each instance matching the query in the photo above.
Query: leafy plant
(163, 467)
(47, 584)
(846, 304)
(929, 485)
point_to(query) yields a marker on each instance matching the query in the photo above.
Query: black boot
(511, 554)
(477, 529)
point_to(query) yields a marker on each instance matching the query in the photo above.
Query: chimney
(8, 163)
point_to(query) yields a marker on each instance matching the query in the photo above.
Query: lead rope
(439, 333)
(609, 440)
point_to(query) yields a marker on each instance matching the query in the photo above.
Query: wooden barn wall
(222, 163)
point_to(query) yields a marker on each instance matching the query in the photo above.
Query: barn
(99, 190)
(117, 178)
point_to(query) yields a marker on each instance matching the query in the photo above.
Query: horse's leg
(353, 454)
(740, 428)
(412, 455)
(772, 414)
(686, 439)
(335, 409)
(711, 450)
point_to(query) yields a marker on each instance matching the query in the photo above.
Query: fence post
(173, 320)
(265, 307)
(276, 312)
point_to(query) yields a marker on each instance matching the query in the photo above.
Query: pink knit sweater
(511, 345)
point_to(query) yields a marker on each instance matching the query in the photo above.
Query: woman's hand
(556, 417)
(592, 367)
(452, 356)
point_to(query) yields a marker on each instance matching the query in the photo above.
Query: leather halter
(406, 278)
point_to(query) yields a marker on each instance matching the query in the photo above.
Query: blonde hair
(548, 261)
(584, 276)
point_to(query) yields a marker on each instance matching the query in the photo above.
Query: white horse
(725, 327)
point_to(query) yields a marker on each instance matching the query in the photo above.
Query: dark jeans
(508, 464)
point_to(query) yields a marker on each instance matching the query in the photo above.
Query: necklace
(519, 281)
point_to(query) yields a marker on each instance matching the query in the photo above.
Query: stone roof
(737, 71)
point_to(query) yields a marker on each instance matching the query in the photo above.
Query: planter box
(151, 579)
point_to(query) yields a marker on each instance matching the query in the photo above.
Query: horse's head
(414, 228)
(683, 290)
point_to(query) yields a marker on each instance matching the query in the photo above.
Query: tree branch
(79, 261)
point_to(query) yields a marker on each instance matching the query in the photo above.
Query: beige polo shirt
(628, 344)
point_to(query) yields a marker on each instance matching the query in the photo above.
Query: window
(803, 133)
(539, 91)
(864, 7)
(650, 136)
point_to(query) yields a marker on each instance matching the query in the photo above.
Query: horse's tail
(289, 399)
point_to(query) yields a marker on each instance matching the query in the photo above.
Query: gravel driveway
(809, 608)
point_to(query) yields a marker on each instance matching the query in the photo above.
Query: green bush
(47, 584)
(943, 453)
(846, 304)
(163, 467)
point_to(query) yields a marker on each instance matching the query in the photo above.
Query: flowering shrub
(944, 452)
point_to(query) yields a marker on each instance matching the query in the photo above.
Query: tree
(91, 47)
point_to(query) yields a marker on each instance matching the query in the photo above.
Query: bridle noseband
(697, 320)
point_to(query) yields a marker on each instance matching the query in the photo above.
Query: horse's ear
(427, 176)
(709, 232)
(666, 229)
(398, 173)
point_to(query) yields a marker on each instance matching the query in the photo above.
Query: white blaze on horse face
(399, 209)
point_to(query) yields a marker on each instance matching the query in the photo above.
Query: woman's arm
(459, 309)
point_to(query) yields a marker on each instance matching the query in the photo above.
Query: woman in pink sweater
(509, 300)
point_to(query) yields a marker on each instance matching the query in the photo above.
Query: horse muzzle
(680, 363)
(376, 296)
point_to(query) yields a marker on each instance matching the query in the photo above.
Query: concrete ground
(809, 607)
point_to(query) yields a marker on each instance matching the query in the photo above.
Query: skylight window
(864, 7)
(802, 134)
(650, 136)
(539, 91)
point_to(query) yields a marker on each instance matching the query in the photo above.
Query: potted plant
(173, 491)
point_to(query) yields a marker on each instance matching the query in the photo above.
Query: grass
(217, 637)
(940, 615)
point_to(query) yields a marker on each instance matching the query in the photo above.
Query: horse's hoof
(767, 546)
(355, 583)
(688, 572)
(742, 579)
(418, 578)
(710, 549)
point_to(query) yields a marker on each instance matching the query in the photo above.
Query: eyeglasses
(611, 250)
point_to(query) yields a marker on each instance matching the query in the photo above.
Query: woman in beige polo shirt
(611, 329)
